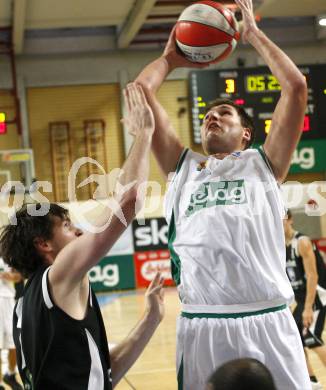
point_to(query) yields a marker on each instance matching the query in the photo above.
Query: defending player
(58, 328)
(225, 225)
(302, 264)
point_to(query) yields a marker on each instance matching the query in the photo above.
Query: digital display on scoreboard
(258, 91)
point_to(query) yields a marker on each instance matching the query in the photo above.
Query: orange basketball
(207, 31)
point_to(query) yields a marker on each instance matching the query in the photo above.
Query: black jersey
(296, 273)
(54, 350)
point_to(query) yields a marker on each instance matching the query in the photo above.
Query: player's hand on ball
(155, 299)
(140, 116)
(248, 18)
(174, 56)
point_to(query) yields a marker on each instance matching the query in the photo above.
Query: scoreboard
(258, 91)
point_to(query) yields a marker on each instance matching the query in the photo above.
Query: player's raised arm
(76, 258)
(288, 117)
(166, 146)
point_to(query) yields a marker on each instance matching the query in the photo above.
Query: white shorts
(6, 323)
(203, 344)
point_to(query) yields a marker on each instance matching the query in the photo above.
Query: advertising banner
(309, 156)
(148, 263)
(152, 235)
(321, 244)
(113, 273)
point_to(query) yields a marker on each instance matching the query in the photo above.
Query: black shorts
(313, 337)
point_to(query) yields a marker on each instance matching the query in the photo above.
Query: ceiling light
(322, 21)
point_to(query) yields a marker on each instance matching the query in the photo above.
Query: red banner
(148, 263)
(321, 243)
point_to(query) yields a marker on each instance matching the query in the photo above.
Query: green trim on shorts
(232, 315)
(180, 375)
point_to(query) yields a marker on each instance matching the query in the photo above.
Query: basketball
(207, 31)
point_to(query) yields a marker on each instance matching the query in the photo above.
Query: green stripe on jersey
(181, 160)
(232, 315)
(265, 158)
(175, 259)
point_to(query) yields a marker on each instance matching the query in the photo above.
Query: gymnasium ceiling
(41, 27)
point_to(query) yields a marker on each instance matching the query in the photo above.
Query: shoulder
(187, 157)
(304, 245)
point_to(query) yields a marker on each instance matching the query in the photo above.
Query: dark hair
(246, 120)
(242, 374)
(17, 240)
(289, 214)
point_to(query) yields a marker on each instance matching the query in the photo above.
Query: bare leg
(310, 370)
(12, 361)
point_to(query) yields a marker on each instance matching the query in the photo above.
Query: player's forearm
(282, 67)
(312, 281)
(125, 354)
(135, 170)
(153, 75)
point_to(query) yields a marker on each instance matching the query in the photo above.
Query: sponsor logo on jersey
(220, 193)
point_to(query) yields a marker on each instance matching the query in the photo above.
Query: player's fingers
(126, 98)
(133, 94)
(154, 282)
(142, 96)
(157, 289)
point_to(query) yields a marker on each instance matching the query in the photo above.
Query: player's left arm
(306, 251)
(124, 355)
(288, 116)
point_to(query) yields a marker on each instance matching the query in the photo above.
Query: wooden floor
(155, 369)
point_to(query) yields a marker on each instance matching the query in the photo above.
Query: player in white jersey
(7, 302)
(225, 225)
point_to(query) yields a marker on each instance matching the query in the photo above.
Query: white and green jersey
(226, 233)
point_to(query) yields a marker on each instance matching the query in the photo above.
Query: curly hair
(246, 120)
(17, 241)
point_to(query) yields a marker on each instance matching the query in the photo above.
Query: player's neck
(289, 237)
(220, 156)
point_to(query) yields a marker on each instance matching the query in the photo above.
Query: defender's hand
(307, 317)
(155, 299)
(140, 116)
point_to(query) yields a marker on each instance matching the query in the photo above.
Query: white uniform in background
(228, 260)
(7, 303)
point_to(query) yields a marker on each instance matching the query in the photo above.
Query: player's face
(63, 233)
(222, 131)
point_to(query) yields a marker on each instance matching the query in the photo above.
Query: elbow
(299, 88)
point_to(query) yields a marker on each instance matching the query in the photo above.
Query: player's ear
(246, 134)
(42, 245)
